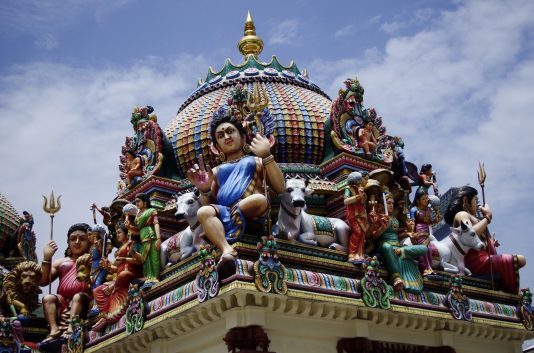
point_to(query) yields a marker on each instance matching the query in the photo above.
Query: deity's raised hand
(201, 175)
(260, 146)
(486, 211)
(49, 250)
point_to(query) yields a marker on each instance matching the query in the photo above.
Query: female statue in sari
(232, 191)
(399, 260)
(424, 218)
(147, 226)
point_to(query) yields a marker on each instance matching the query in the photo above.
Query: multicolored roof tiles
(298, 106)
(9, 218)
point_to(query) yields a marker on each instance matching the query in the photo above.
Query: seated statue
(399, 260)
(111, 298)
(73, 296)
(133, 168)
(232, 192)
(366, 138)
(463, 207)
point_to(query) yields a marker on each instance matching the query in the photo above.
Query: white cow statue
(297, 225)
(452, 249)
(183, 244)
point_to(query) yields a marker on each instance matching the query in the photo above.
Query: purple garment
(422, 227)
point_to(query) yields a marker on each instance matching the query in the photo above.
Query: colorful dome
(9, 218)
(299, 107)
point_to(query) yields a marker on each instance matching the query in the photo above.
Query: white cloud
(47, 41)
(62, 129)
(285, 32)
(37, 15)
(404, 21)
(351, 30)
(345, 31)
(50, 17)
(460, 91)
(393, 26)
(375, 19)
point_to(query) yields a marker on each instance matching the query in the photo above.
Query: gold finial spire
(250, 44)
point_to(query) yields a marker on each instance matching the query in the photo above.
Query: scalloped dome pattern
(298, 106)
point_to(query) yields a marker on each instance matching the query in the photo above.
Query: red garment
(357, 220)
(113, 305)
(68, 283)
(503, 266)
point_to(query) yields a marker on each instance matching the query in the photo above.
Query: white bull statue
(453, 248)
(297, 225)
(183, 244)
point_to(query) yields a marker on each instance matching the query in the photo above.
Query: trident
(481, 181)
(256, 102)
(51, 208)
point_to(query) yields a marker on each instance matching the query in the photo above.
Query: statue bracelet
(268, 159)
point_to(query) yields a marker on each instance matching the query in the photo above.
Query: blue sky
(455, 79)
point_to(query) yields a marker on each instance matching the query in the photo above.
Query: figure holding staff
(464, 207)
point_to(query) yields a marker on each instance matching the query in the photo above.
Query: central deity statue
(233, 192)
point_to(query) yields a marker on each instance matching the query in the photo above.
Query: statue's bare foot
(52, 336)
(227, 257)
(398, 284)
(68, 332)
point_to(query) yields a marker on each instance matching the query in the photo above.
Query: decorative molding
(270, 274)
(376, 293)
(76, 340)
(207, 280)
(457, 301)
(136, 312)
(525, 311)
(193, 315)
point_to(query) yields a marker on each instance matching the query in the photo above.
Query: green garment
(402, 266)
(151, 259)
